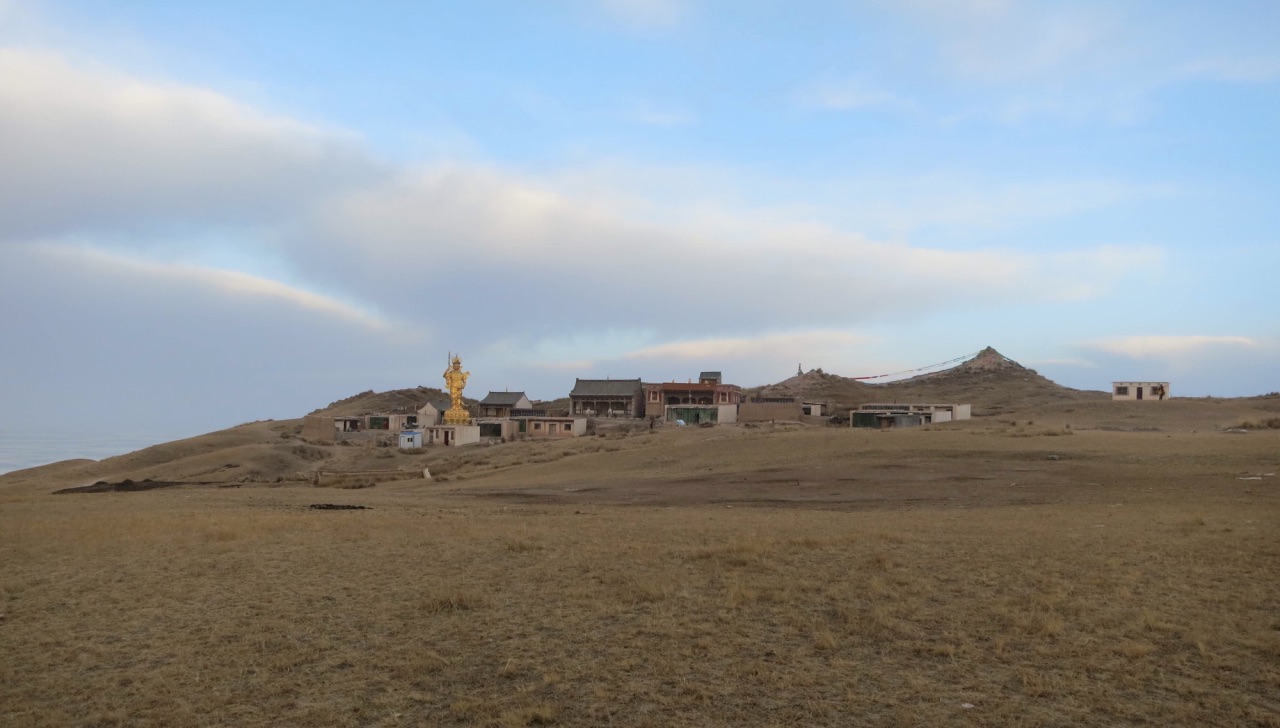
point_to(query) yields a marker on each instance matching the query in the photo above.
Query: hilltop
(815, 385)
(990, 381)
(396, 400)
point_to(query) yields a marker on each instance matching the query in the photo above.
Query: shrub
(1271, 423)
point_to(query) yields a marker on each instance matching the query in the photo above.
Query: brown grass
(1271, 423)
(1129, 582)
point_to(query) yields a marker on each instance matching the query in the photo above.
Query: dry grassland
(758, 577)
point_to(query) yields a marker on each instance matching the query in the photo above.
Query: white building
(452, 435)
(934, 413)
(1134, 391)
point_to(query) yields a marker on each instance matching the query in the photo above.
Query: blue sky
(218, 212)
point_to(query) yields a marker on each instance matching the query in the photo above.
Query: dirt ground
(997, 573)
(841, 469)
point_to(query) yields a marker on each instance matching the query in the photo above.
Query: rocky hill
(396, 400)
(815, 385)
(990, 381)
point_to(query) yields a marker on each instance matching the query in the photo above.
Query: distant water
(26, 448)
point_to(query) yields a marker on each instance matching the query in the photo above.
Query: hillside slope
(990, 381)
(815, 385)
(1001, 391)
(396, 400)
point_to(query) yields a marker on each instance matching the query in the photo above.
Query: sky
(218, 212)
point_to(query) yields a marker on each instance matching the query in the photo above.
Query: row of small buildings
(707, 400)
(503, 416)
(506, 415)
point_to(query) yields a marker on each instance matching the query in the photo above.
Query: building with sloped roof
(607, 398)
(500, 404)
(432, 412)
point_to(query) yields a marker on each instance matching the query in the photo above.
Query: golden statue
(455, 379)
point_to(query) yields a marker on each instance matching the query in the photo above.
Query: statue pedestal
(457, 417)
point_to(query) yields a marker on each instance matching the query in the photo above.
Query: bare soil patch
(850, 469)
(124, 486)
(336, 507)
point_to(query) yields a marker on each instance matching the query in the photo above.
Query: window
(654, 395)
(1122, 391)
(537, 425)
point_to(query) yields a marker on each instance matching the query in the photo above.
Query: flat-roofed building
(550, 427)
(873, 415)
(1139, 391)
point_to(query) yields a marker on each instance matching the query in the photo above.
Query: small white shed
(410, 439)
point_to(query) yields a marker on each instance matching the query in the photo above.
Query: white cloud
(948, 198)
(1061, 362)
(646, 13)
(749, 359)
(1253, 69)
(470, 231)
(88, 147)
(15, 17)
(102, 152)
(740, 202)
(851, 96)
(488, 254)
(560, 350)
(637, 110)
(767, 345)
(114, 345)
(1007, 42)
(226, 282)
(1077, 62)
(1088, 274)
(1153, 347)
